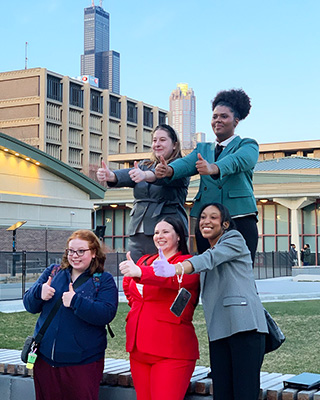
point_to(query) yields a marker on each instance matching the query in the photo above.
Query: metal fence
(272, 265)
(19, 270)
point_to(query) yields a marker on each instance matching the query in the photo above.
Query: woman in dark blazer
(234, 314)
(151, 202)
(163, 347)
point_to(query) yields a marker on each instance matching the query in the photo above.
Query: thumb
(104, 165)
(136, 164)
(129, 256)
(49, 280)
(162, 160)
(200, 157)
(161, 255)
(71, 287)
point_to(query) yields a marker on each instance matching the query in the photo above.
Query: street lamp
(14, 228)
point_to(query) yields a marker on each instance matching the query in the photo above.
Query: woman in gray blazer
(234, 314)
(151, 202)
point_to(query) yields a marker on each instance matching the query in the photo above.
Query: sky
(270, 49)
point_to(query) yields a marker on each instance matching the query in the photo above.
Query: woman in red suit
(163, 347)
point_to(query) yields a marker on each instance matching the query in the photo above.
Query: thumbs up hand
(162, 268)
(47, 292)
(104, 174)
(68, 296)
(129, 268)
(136, 174)
(205, 168)
(163, 170)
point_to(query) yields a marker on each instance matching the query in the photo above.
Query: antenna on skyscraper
(100, 3)
(92, 3)
(26, 56)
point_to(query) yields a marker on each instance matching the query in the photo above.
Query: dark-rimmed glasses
(79, 253)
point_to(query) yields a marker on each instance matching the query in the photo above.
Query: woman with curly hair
(70, 356)
(225, 168)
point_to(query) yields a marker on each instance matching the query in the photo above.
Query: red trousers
(78, 382)
(158, 378)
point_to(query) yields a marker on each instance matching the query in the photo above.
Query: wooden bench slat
(306, 394)
(203, 386)
(125, 379)
(290, 394)
(316, 396)
(274, 392)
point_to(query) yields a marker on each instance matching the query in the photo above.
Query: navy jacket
(77, 334)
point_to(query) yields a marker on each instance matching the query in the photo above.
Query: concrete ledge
(306, 278)
(308, 270)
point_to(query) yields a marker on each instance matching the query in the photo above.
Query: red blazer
(151, 326)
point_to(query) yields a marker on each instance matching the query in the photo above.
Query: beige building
(72, 121)
(51, 197)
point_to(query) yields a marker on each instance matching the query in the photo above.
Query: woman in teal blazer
(225, 168)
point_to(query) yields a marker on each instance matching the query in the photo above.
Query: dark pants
(247, 226)
(139, 245)
(78, 382)
(235, 364)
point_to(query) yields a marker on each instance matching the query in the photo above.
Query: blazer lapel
(230, 146)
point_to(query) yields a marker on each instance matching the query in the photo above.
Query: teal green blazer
(233, 188)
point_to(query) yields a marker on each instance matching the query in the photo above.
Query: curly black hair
(236, 99)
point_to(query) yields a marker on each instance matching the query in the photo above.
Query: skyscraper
(183, 111)
(98, 60)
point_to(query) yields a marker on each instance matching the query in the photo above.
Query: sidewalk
(301, 287)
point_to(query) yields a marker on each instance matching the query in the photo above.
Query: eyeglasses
(79, 253)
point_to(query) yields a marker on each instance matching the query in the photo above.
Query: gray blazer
(153, 202)
(229, 296)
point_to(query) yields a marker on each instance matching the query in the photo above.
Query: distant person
(151, 202)
(71, 355)
(163, 347)
(235, 317)
(306, 254)
(293, 255)
(225, 168)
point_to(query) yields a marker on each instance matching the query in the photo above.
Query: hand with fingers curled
(162, 268)
(129, 268)
(163, 170)
(68, 296)
(104, 174)
(47, 292)
(205, 168)
(136, 174)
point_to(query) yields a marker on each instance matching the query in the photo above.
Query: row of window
(54, 91)
(274, 228)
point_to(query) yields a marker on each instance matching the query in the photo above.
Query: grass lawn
(299, 320)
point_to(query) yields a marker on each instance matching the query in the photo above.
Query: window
(132, 115)
(147, 117)
(96, 101)
(115, 107)
(54, 88)
(162, 118)
(76, 95)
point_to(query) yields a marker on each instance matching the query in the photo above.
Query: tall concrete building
(98, 60)
(73, 121)
(183, 110)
